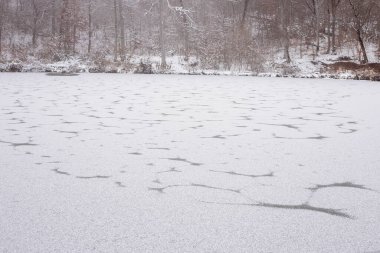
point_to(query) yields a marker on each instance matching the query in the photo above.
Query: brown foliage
(370, 71)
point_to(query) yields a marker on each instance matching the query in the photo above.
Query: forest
(241, 35)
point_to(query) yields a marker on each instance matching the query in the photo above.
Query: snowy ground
(135, 163)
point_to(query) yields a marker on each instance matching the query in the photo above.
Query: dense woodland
(218, 34)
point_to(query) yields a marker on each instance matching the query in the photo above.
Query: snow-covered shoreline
(300, 69)
(339, 76)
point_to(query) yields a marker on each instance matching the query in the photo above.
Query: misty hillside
(259, 37)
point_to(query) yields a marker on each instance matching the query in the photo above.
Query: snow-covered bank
(176, 65)
(169, 163)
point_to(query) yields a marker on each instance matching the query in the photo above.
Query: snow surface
(166, 163)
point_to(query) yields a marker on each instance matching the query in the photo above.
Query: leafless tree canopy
(220, 34)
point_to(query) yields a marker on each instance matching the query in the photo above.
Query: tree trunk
(284, 13)
(66, 27)
(35, 20)
(317, 41)
(1, 23)
(53, 18)
(34, 35)
(362, 47)
(116, 30)
(246, 3)
(75, 9)
(122, 32)
(74, 40)
(328, 29)
(162, 35)
(334, 6)
(89, 27)
(359, 14)
(185, 32)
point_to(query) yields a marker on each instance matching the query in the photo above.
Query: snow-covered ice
(136, 163)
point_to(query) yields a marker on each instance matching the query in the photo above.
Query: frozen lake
(136, 163)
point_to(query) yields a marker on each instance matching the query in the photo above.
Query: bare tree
(185, 33)
(285, 6)
(333, 6)
(245, 10)
(37, 17)
(122, 31)
(217, 34)
(65, 27)
(162, 33)
(2, 14)
(53, 17)
(89, 11)
(314, 7)
(75, 24)
(116, 49)
(361, 13)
